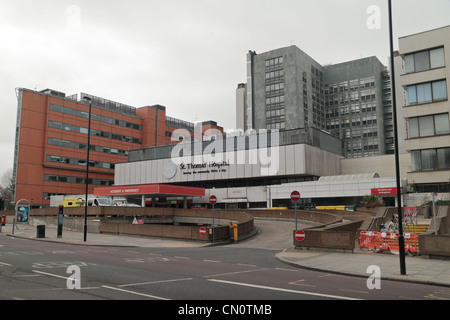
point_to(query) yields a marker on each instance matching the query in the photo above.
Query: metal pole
(434, 215)
(87, 168)
(295, 208)
(213, 223)
(401, 239)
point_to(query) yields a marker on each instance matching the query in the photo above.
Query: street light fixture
(87, 166)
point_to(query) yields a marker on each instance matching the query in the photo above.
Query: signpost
(300, 235)
(60, 220)
(202, 231)
(213, 201)
(295, 197)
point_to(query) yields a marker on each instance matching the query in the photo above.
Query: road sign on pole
(295, 197)
(213, 201)
(202, 231)
(300, 235)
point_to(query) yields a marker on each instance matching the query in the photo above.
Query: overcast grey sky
(188, 55)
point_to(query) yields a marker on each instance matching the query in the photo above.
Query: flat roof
(158, 190)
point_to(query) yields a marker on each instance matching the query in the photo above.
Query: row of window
(365, 95)
(352, 109)
(334, 124)
(277, 88)
(424, 60)
(356, 133)
(78, 180)
(98, 133)
(80, 162)
(358, 146)
(274, 63)
(427, 92)
(96, 117)
(276, 125)
(355, 84)
(430, 159)
(429, 125)
(83, 146)
(274, 74)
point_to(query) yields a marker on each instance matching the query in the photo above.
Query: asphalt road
(35, 270)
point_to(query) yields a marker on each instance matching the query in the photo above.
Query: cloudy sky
(188, 55)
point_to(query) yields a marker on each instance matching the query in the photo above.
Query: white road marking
(153, 282)
(284, 290)
(236, 272)
(50, 274)
(136, 293)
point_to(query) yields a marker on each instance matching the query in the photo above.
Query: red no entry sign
(295, 196)
(202, 231)
(212, 200)
(300, 235)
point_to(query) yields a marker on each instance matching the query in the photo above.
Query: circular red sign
(295, 196)
(202, 231)
(213, 200)
(300, 235)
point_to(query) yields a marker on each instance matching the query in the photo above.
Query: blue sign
(23, 213)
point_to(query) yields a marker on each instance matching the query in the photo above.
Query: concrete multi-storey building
(426, 57)
(287, 89)
(51, 141)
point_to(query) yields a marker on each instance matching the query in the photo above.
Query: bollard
(235, 227)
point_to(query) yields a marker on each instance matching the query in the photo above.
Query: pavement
(418, 269)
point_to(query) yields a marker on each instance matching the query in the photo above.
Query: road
(31, 270)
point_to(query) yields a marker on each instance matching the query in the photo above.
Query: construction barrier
(386, 242)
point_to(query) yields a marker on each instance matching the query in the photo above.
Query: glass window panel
(437, 58)
(423, 92)
(409, 63)
(443, 158)
(413, 127)
(441, 123)
(440, 90)
(426, 126)
(428, 158)
(422, 61)
(412, 95)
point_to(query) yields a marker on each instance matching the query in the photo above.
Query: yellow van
(73, 202)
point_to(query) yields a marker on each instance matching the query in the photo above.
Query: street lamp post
(87, 167)
(401, 240)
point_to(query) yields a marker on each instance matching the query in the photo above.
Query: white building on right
(425, 77)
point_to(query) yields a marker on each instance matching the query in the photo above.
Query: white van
(101, 202)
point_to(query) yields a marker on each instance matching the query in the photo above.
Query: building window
(430, 159)
(427, 92)
(274, 63)
(429, 125)
(424, 60)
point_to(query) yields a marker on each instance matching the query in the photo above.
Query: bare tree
(6, 184)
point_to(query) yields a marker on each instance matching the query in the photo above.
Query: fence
(386, 242)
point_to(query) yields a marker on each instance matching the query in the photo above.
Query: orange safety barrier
(385, 241)
(368, 239)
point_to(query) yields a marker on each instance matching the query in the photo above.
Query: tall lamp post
(87, 167)
(401, 240)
